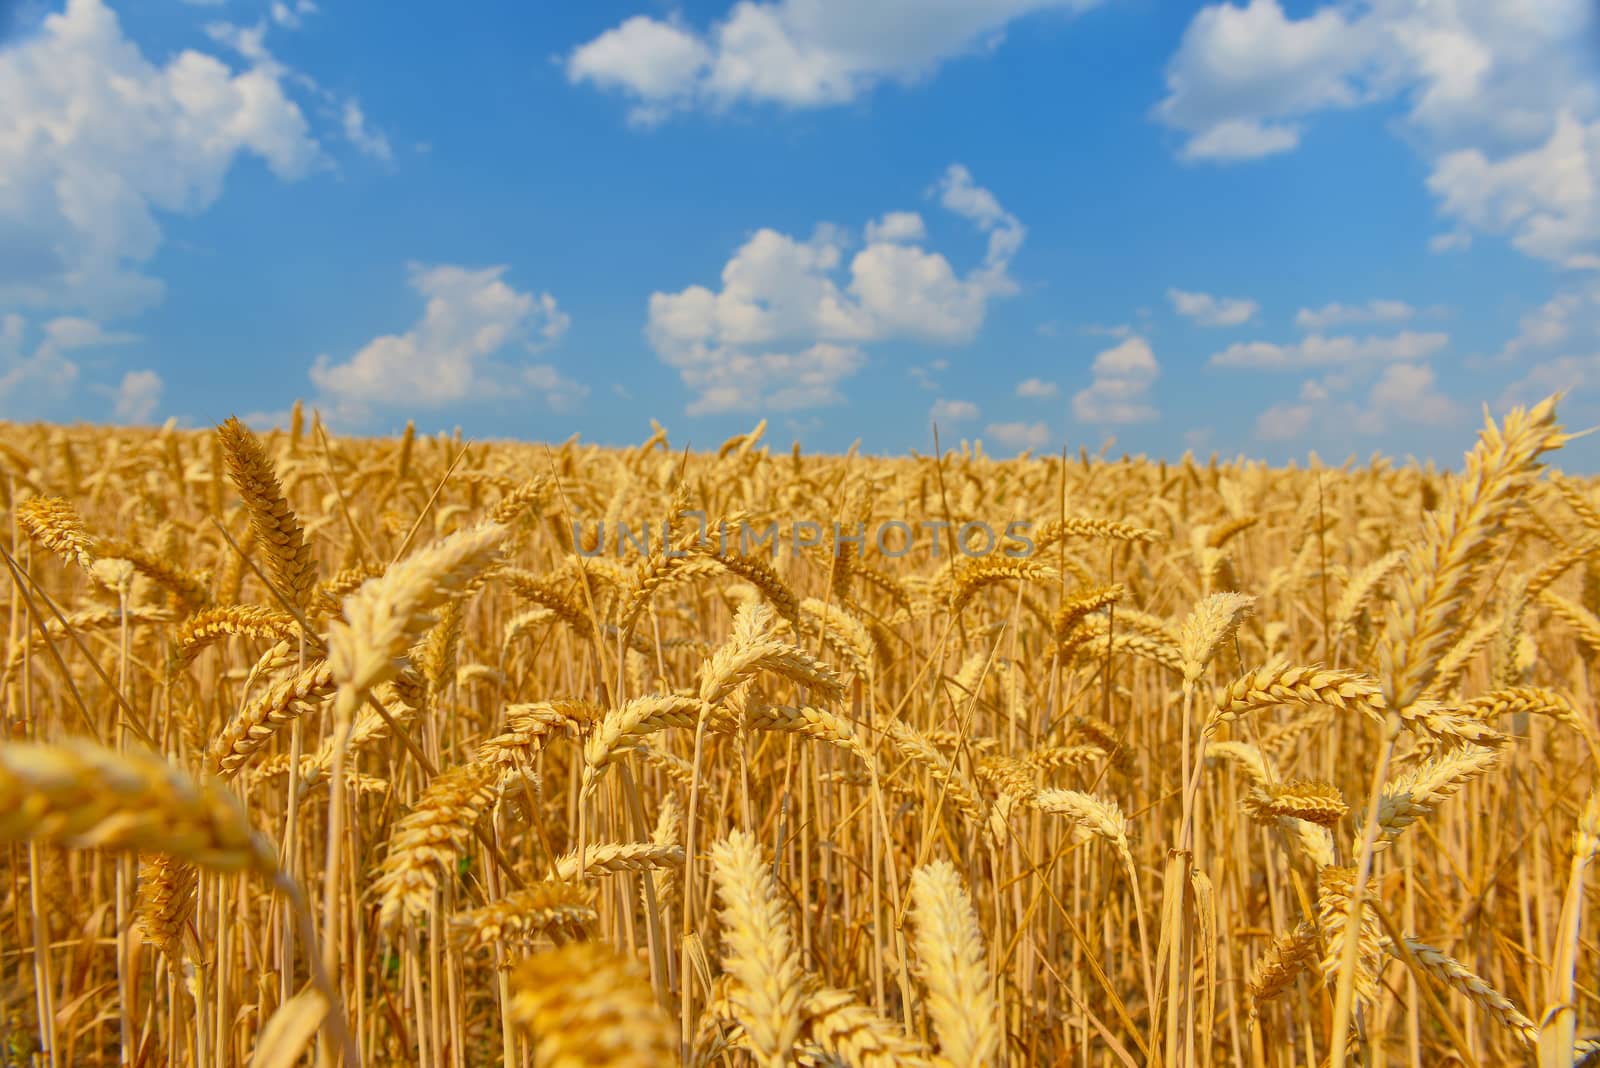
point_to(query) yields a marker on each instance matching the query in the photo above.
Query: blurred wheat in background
(325, 750)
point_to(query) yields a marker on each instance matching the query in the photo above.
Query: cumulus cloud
(96, 141)
(785, 329)
(470, 316)
(1336, 314)
(1397, 394)
(953, 411)
(1120, 386)
(35, 384)
(1557, 347)
(796, 53)
(368, 141)
(1547, 198)
(1240, 139)
(1319, 351)
(1207, 310)
(960, 194)
(657, 63)
(1019, 435)
(1451, 241)
(137, 397)
(263, 421)
(1574, 312)
(1405, 393)
(559, 392)
(1502, 100)
(924, 374)
(1243, 75)
(897, 226)
(1036, 389)
(1569, 373)
(290, 15)
(1284, 422)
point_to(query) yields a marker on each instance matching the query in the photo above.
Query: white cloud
(138, 397)
(368, 141)
(1284, 422)
(559, 392)
(797, 53)
(783, 332)
(97, 142)
(1036, 388)
(1336, 314)
(35, 384)
(1403, 393)
(470, 316)
(1546, 198)
(953, 411)
(94, 139)
(1557, 346)
(897, 226)
(1118, 330)
(1399, 394)
(289, 15)
(1502, 100)
(1241, 72)
(1570, 373)
(923, 374)
(1320, 390)
(1240, 139)
(1573, 312)
(1019, 435)
(656, 62)
(262, 421)
(960, 194)
(1207, 310)
(1119, 390)
(1317, 351)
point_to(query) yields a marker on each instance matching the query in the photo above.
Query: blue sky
(1254, 228)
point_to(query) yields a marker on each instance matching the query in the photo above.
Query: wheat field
(340, 751)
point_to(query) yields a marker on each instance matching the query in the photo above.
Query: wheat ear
(762, 959)
(80, 794)
(584, 1005)
(954, 967)
(426, 841)
(276, 527)
(558, 910)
